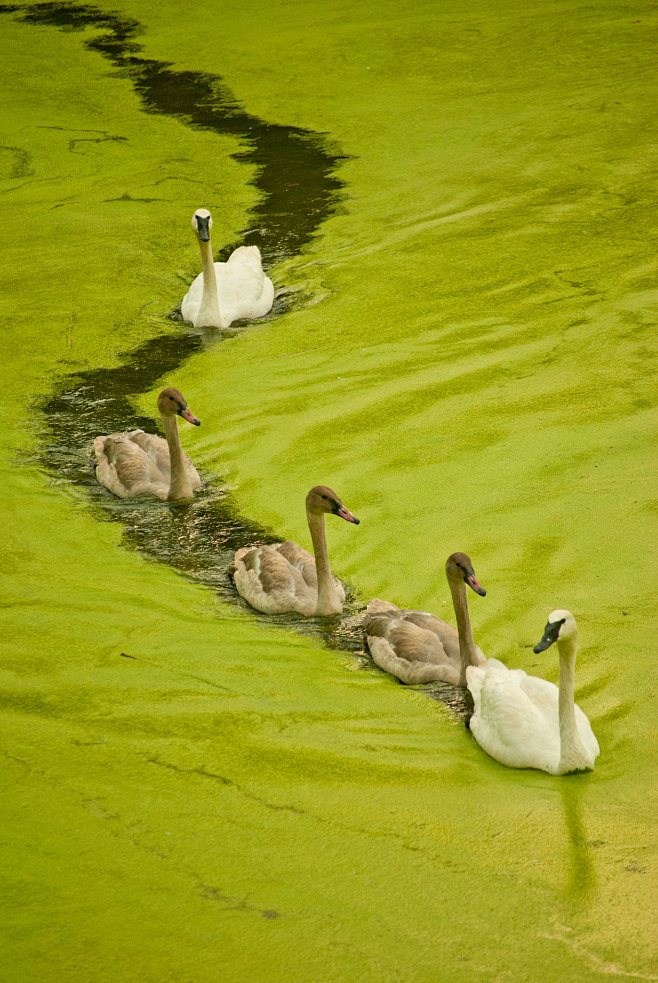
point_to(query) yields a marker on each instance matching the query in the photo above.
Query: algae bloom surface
(455, 202)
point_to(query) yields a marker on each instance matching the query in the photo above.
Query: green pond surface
(455, 203)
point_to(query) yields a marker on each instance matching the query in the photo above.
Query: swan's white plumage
(516, 717)
(226, 292)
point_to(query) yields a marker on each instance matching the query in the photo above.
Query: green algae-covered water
(455, 200)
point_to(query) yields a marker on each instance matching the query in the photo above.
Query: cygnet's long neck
(179, 485)
(468, 654)
(572, 752)
(328, 601)
(209, 315)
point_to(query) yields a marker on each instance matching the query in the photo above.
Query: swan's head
(459, 567)
(202, 224)
(322, 499)
(171, 402)
(560, 624)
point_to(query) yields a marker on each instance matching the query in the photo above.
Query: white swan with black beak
(225, 292)
(526, 722)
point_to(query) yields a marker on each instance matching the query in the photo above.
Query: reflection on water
(581, 871)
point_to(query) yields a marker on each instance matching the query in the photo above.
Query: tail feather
(380, 607)
(246, 256)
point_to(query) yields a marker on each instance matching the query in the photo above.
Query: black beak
(551, 633)
(203, 226)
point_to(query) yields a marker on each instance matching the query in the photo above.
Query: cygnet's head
(323, 499)
(459, 567)
(171, 402)
(560, 624)
(202, 224)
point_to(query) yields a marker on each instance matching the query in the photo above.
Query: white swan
(526, 722)
(225, 292)
(282, 578)
(418, 647)
(137, 463)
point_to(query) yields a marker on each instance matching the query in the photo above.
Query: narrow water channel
(295, 175)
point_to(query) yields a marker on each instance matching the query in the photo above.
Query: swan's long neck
(328, 601)
(572, 752)
(468, 654)
(209, 315)
(179, 485)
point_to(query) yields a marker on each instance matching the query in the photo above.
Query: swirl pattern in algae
(462, 351)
